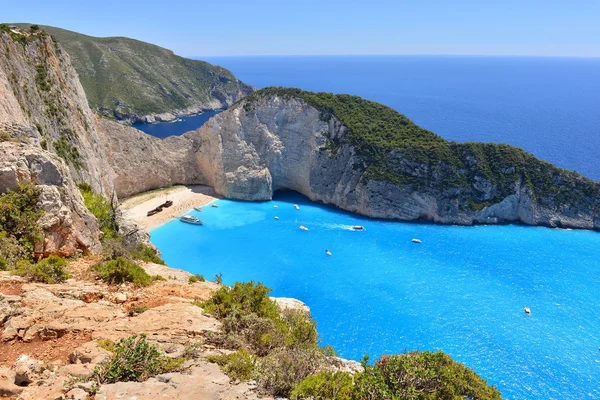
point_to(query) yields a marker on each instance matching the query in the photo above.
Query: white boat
(416, 241)
(296, 206)
(527, 310)
(190, 219)
(327, 252)
(276, 217)
(215, 205)
(358, 228)
(198, 208)
(275, 206)
(303, 227)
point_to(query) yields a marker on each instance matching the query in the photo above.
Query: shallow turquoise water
(462, 290)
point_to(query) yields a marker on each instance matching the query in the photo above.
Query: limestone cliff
(68, 227)
(277, 140)
(43, 103)
(274, 140)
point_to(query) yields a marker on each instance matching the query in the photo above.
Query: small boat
(198, 208)
(215, 205)
(167, 204)
(327, 252)
(153, 212)
(527, 311)
(296, 206)
(276, 217)
(358, 228)
(275, 206)
(416, 241)
(303, 227)
(190, 219)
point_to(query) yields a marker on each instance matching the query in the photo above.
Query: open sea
(463, 289)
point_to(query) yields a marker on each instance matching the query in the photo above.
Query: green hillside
(123, 76)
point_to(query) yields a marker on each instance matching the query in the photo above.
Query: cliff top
(127, 76)
(379, 134)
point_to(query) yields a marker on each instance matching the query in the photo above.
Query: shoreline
(184, 198)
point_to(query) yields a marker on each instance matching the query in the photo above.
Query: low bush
(283, 369)
(246, 297)
(218, 279)
(421, 375)
(196, 278)
(325, 385)
(19, 226)
(145, 253)
(102, 209)
(122, 270)
(239, 365)
(49, 270)
(11, 251)
(134, 359)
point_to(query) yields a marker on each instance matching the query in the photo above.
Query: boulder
(27, 370)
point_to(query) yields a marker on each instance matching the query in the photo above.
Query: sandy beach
(184, 199)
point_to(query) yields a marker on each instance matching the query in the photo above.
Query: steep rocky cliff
(366, 158)
(44, 104)
(134, 81)
(359, 156)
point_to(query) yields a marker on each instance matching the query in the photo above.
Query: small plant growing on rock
(49, 270)
(134, 359)
(325, 385)
(218, 279)
(239, 365)
(196, 278)
(145, 253)
(122, 270)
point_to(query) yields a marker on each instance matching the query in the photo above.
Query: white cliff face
(43, 102)
(68, 228)
(249, 151)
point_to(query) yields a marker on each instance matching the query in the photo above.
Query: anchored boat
(190, 219)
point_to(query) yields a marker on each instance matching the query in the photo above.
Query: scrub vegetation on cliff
(280, 349)
(392, 148)
(123, 76)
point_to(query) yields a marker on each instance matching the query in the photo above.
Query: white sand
(184, 199)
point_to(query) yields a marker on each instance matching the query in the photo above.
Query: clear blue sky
(265, 27)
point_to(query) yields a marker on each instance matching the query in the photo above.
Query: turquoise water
(462, 290)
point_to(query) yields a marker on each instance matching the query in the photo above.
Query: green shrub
(122, 270)
(196, 278)
(243, 297)
(106, 344)
(282, 370)
(145, 253)
(239, 365)
(325, 385)
(102, 209)
(11, 251)
(134, 359)
(3, 264)
(49, 270)
(19, 215)
(218, 279)
(421, 375)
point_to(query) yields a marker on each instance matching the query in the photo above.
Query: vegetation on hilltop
(280, 350)
(123, 76)
(390, 145)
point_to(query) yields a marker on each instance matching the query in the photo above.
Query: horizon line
(397, 55)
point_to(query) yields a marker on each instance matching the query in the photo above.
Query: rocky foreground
(49, 337)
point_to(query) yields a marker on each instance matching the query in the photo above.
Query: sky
(328, 27)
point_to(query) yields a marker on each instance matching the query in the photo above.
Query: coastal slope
(132, 80)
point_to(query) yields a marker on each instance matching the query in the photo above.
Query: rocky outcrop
(43, 103)
(277, 142)
(68, 227)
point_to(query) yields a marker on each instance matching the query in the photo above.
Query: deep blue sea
(462, 290)
(177, 127)
(548, 106)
